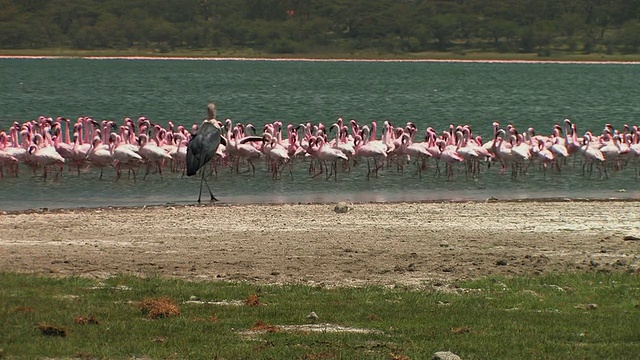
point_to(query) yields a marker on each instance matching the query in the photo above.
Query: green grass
(541, 317)
(370, 54)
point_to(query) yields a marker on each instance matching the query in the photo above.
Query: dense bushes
(302, 26)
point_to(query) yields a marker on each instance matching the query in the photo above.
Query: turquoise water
(426, 93)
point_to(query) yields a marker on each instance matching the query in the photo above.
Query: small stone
(461, 330)
(631, 238)
(587, 306)
(531, 292)
(556, 287)
(312, 316)
(411, 267)
(445, 355)
(501, 262)
(341, 207)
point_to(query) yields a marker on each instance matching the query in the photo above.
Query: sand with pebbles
(414, 244)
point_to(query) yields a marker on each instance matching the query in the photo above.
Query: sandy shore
(415, 244)
(324, 59)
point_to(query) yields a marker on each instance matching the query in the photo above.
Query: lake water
(426, 93)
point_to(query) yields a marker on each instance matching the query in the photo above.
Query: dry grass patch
(24, 309)
(159, 307)
(319, 356)
(461, 330)
(86, 320)
(253, 300)
(52, 330)
(393, 356)
(260, 326)
(212, 319)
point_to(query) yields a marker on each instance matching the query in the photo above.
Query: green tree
(14, 35)
(442, 29)
(499, 31)
(628, 37)
(322, 25)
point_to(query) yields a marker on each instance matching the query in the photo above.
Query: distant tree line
(324, 26)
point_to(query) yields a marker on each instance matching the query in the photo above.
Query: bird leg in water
(287, 164)
(213, 198)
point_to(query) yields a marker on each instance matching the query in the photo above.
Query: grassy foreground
(567, 316)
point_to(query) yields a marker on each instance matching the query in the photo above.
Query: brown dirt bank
(415, 244)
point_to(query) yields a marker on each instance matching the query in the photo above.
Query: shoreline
(491, 200)
(283, 59)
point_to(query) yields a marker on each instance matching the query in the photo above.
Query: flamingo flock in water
(47, 146)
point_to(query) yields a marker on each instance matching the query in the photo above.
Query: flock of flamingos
(49, 147)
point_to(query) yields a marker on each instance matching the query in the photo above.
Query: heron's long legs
(203, 179)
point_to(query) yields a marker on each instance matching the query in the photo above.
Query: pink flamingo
(123, 155)
(240, 146)
(415, 151)
(6, 159)
(324, 153)
(591, 155)
(277, 155)
(544, 155)
(369, 151)
(152, 153)
(504, 152)
(449, 154)
(100, 155)
(45, 156)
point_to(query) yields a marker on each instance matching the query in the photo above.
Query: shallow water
(426, 93)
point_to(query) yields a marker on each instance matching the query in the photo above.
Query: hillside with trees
(325, 26)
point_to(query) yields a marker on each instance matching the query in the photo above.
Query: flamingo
(14, 150)
(543, 154)
(63, 146)
(123, 155)
(504, 152)
(99, 155)
(611, 149)
(416, 151)
(449, 154)
(324, 153)
(341, 142)
(46, 156)
(591, 155)
(6, 158)
(152, 153)
(277, 155)
(466, 150)
(370, 151)
(241, 147)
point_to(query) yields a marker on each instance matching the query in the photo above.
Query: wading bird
(203, 145)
